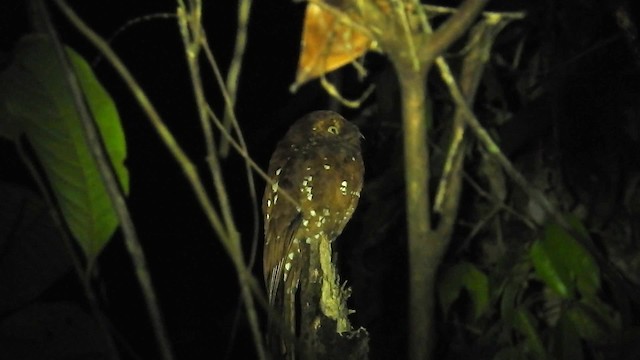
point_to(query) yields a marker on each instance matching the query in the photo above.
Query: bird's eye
(333, 129)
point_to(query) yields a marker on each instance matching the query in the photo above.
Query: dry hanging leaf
(329, 41)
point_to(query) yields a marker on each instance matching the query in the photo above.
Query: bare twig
(192, 34)
(452, 29)
(445, 10)
(335, 93)
(83, 276)
(129, 24)
(170, 142)
(241, 144)
(113, 190)
(234, 69)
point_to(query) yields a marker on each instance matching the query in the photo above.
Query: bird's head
(324, 126)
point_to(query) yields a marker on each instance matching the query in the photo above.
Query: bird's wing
(275, 255)
(284, 219)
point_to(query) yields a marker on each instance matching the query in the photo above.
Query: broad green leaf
(468, 276)
(568, 253)
(34, 98)
(550, 272)
(563, 263)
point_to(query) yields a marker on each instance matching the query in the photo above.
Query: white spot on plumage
(325, 212)
(305, 222)
(287, 266)
(268, 202)
(306, 187)
(275, 199)
(274, 187)
(278, 171)
(290, 256)
(326, 166)
(312, 212)
(343, 187)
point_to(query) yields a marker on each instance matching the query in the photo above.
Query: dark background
(195, 282)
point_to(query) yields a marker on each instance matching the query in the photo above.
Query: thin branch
(442, 10)
(129, 24)
(191, 30)
(499, 203)
(68, 244)
(234, 69)
(453, 28)
(112, 186)
(335, 93)
(250, 161)
(481, 40)
(242, 144)
(170, 142)
(532, 192)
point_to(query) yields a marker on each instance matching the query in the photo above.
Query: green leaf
(553, 275)
(594, 320)
(563, 263)
(568, 253)
(468, 276)
(525, 323)
(35, 99)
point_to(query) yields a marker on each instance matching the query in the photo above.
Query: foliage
(36, 101)
(556, 291)
(517, 280)
(542, 304)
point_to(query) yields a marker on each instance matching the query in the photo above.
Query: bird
(316, 175)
